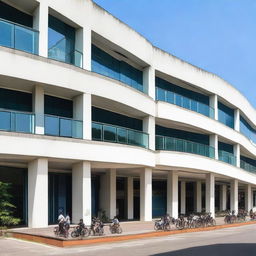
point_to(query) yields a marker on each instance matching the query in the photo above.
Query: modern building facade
(96, 120)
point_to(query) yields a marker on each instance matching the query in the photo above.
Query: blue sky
(216, 35)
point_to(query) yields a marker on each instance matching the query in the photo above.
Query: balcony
(18, 37)
(59, 52)
(247, 167)
(184, 102)
(116, 134)
(227, 157)
(63, 127)
(17, 121)
(180, 145)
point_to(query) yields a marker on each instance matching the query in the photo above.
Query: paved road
(240, 241)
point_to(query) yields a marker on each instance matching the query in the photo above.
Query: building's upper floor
(103, 50)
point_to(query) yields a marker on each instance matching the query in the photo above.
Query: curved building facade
(95, 120)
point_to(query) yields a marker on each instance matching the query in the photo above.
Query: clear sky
(216, 35)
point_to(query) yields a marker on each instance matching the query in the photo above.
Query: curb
(69, 243)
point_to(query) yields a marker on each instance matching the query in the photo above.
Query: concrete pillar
(149, 81)
(40, 22)
(79, 41)
(130, 197)
(38, 109)
(87, 45)
(237, 154)
(198, 196)
(81, 192)
(38, 193)
(248, 197)
(234, 196)
(214, 105)
(237, 120)
(149, 127)
(214, 144)
(82, 110)
(172, 194)
(146, 194)
(183, 197)
(223, 198)
(210, 194)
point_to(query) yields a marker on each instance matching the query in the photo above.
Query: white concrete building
(96, 120)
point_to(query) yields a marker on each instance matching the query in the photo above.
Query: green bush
(6, 207)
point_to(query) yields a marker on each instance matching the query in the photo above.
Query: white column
(149, 81)
(214, 144)
(172, 194)
(149, 127)
(183, 197)
(83, 111)
(81, 192)
(198, 196)
(38, 193)
(79, 46)
(209, 194)
(214, 105)
(87, 45)
(40, 22)
(248, 197)
(38, 109)
(146, 194)
(237, 154)
(237, 119)
(234, 196)
(130, 197)
(223, 198)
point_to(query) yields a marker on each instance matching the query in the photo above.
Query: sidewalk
(131, 230)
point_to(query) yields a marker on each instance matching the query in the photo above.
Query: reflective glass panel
(109, 133)
(5, 121)
(65, 127)
(23, 123)
(52, 125)
(97, 131)
(6, 34)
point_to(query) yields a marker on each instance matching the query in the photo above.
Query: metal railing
(14, 121)
(227, 157)
(182, 101)
(180, 145)
(19, 37)
(118, 134)
(63, 127)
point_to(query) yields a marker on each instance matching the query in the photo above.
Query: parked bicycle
(97, 227)
(115, 227)
(80, 230)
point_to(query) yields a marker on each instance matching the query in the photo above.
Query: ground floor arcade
(41, 189)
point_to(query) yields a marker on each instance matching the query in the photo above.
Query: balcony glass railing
(227, 157)
(18, 37)
(17, 121)
(247, 167)
(59, 52)
(122, 135)
(180, 145)
(184, 102)
(63, 127)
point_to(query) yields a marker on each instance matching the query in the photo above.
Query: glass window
(61, 41)
(122, 135)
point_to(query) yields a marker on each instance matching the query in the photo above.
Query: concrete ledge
(59, 242)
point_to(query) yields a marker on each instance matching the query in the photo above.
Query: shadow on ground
(215, 250)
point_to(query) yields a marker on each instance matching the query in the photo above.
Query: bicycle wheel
(119, 230)
(74, 234)
(213, 222)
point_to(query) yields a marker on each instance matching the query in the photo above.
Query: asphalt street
(239, 241)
